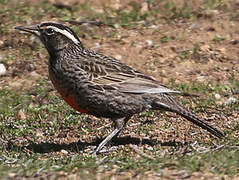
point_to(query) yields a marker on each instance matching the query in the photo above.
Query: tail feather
(168, 103)
(201, 123)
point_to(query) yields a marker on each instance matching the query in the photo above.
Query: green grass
(220, 162)
(214, 4)
(165, 39)
(218, 39)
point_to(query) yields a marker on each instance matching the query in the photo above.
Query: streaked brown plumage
(95, 84)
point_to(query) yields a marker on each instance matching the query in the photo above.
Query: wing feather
(110, 73)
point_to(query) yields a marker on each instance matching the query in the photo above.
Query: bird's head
(54, 36)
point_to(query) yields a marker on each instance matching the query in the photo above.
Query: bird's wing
(109, 73)
(129, 83)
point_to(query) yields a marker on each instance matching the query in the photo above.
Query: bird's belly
(67, 94)
(71, 100)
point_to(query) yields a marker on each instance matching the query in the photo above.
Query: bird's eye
(49, 31)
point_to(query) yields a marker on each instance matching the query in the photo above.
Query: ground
(191, 46)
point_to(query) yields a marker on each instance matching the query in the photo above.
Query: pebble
(150, 148)
(35, 75)
(201, 78)
(119, 57)
(12, 175)
(217, 96)
(211, 13)
(116, 5)
(33, 38)
(21, 115)
(64, 151)
(144, 7)
(3, 70)
(192, 26)
(230, 100)
(97, 45)
(222, 50)
(149, 42)
(153, 27)
(1, 43)
(234, 42)
(205, 47)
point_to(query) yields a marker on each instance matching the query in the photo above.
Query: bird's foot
(111, 149)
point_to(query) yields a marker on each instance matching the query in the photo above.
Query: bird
(102, 86)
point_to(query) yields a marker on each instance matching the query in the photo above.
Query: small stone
(3, 70)
(164, 73)
(21, 115)
(99, 10)
(12, 175)
(201, 78)
(144, 7)
(230, 100)
(118, 57)
(205, 47)
(62, 173)
(192, 26)
(125, 41)
(222, 50)
(115, 166)
(217, 96)
(63, 151)
(149, 148)
(116, 5)
(34, 75)
(149, 42)
(39, 133)
(153, 27)
(234, 42)
(97, 45)
(1, 43)
(211, 13)
(33, 38)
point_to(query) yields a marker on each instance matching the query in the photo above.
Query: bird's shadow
(81, 146)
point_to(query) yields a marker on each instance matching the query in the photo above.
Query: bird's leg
(119, 124)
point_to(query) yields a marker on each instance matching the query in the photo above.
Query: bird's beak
(34, 29)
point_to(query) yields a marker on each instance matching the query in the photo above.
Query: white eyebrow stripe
(66, 33)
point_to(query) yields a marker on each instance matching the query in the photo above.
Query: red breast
(68, 97)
